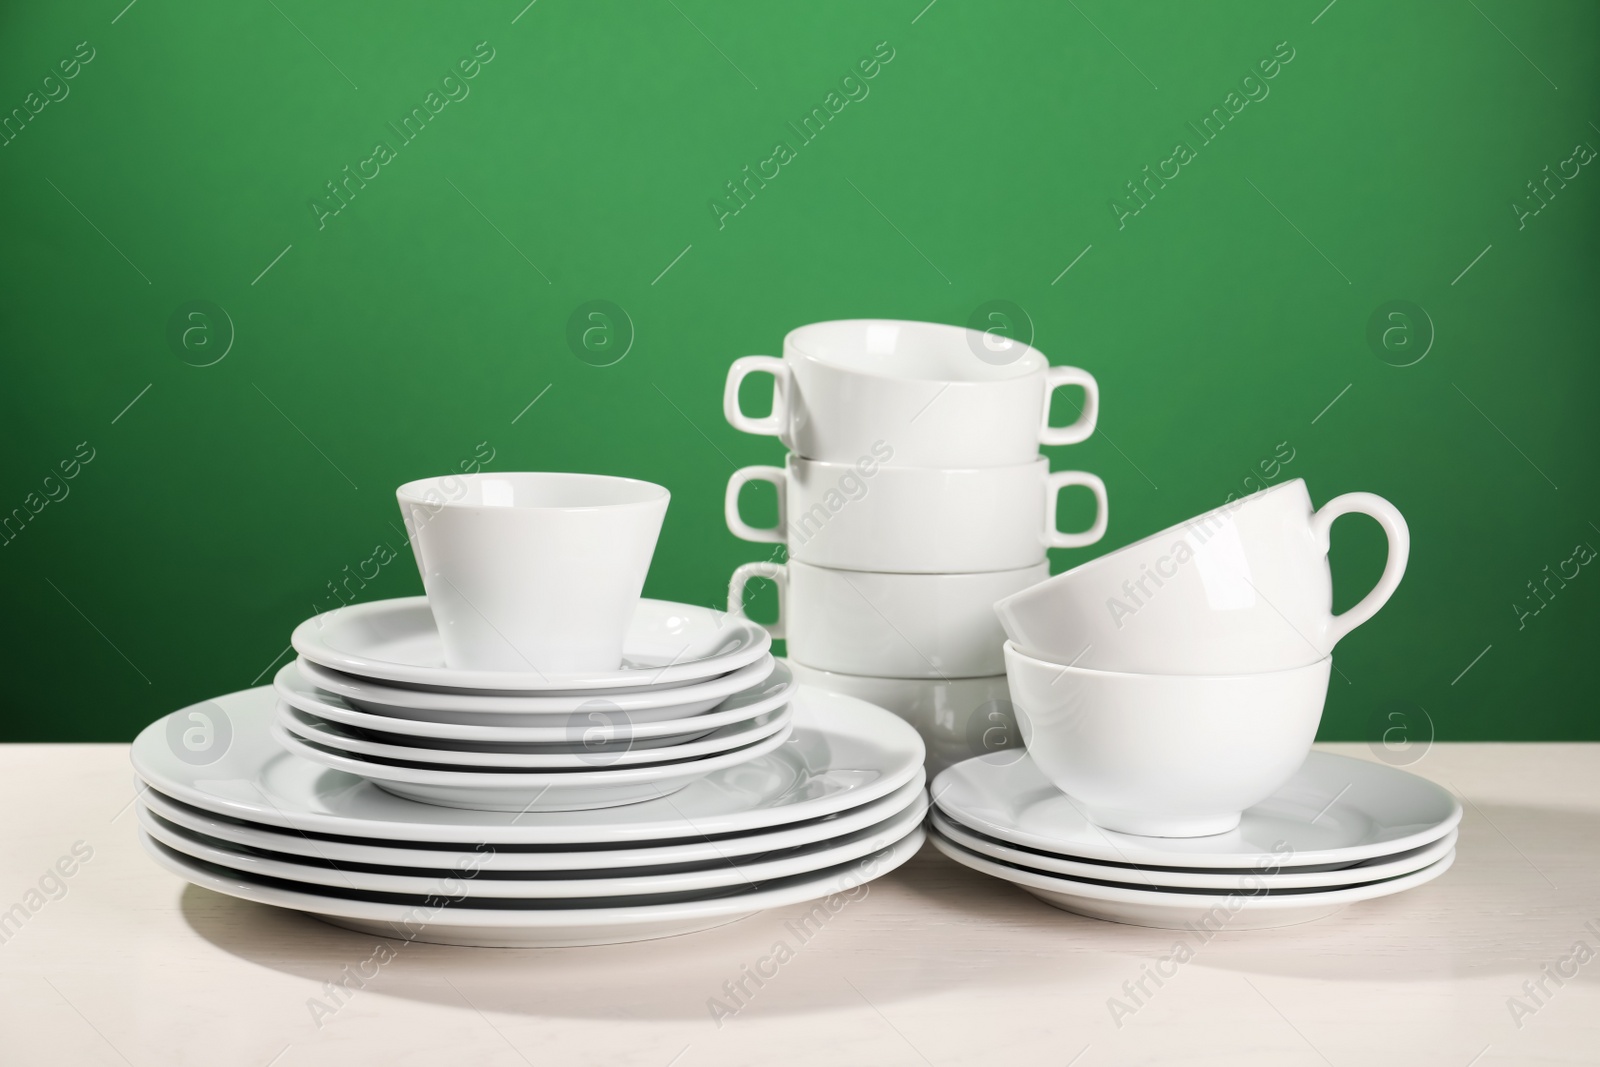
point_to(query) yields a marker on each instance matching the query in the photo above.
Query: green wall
(1227, 320)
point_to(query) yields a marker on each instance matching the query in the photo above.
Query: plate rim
(509, 734)
(1290, 878)
(895, 855)
(908, 762)
(1168, 898)
(307, 641)
(1137, 851)
(886, 831)
(750, 731)
(622, 854)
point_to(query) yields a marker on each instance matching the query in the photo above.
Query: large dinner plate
(219, 756)
(553, 924)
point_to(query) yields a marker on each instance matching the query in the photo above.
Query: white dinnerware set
(1168, 694)
(914, 497)
(531, 754)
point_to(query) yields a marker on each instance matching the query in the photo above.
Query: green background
(1222, 321)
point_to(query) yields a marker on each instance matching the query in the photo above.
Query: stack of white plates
(1341, 830)
(697, 693)
(836, 802)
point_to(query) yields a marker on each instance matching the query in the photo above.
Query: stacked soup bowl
(913, 498)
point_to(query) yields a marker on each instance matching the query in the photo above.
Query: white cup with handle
(868, 517)
(533, 571)
(888, 625)
(1243, 588)
(944, 396)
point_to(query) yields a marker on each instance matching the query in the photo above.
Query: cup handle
(1394, 568)
(759, 569)
(1054, 379)
(772, 425)
(1053, 485)
(730, 504)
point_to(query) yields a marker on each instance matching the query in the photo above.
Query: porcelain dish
(1191, 909)
(518, 857)
(1335, 810)
(842, 753)
(558, 924)
(397, 641)
(596, 724)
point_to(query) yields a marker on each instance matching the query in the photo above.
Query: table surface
(123, 963)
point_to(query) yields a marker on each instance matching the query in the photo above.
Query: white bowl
(1165, 755)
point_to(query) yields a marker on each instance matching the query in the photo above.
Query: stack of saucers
(369, 695)
(1341, 830)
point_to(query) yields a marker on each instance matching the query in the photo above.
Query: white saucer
(397, 640)
(631, 728)
(575, 757)
(504, 857)
(527, 792)
(470, 883)
(1218, 881)
(1335, 810)
(1189, 909)
(843, 753)
(567, 923)
(475, 709)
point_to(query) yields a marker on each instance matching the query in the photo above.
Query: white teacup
(1241, 589)
(539, 571)
(1166, 755)
(943, 396)
(890, 625)
(916, 520)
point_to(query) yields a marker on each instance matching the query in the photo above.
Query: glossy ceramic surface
(518, 857)
(1161, 754)
(534, 571)
(1191, 909)
(1334, 810)
(1268, 876)
(471, 882)
(1243, 588)
(888, 625)
(918, 520)
(526, 792)
(438, 918)
(396, 640)
(591, 726)
(843, 753)
(938, 396)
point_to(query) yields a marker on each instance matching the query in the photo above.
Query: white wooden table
(121, 963)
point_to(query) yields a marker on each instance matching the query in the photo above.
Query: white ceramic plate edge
(1159, 878)
(902, 752)
(307, 641)
(1173, 898)
(733, 736)
(1152, 857)
(551, 885)
(689, 849)
(825, 884)
(381, 771)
